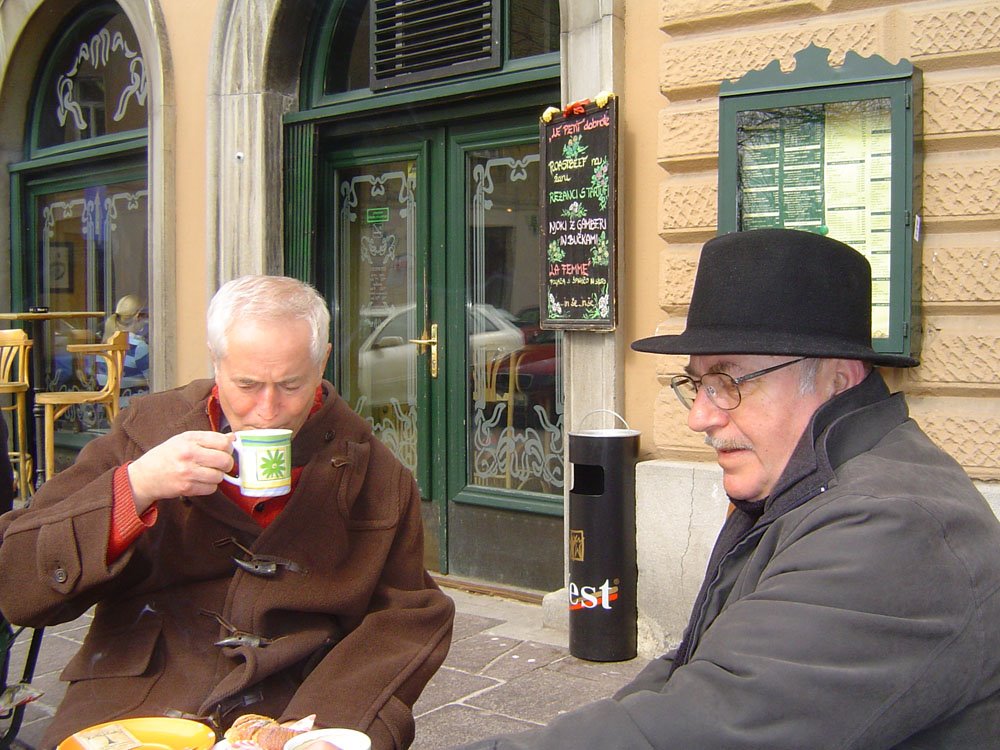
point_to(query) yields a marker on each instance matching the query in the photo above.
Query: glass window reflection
(515, 393)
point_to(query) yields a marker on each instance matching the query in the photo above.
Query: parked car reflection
(387, 361)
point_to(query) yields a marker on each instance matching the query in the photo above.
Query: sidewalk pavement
(504, 673)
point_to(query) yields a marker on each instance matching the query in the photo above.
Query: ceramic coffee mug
(265, 462)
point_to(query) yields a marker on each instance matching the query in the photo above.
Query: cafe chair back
(15, 382)
(495, 390)
(58, 402)
(16, 695)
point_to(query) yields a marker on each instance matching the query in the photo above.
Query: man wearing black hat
(852, 599)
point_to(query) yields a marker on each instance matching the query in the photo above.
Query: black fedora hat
(779, 291)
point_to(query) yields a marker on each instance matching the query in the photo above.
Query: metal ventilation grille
(420, 40)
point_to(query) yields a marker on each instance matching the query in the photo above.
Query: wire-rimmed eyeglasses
(723, 389)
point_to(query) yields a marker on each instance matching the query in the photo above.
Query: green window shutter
(300, 218)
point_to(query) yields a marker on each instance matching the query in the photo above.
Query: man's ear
(847, 373)
(326, 358)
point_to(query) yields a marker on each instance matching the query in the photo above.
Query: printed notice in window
(823, 168)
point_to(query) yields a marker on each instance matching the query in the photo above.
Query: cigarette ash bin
(602, 565)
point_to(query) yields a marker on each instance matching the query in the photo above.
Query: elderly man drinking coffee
(852, 599)
(210, 602)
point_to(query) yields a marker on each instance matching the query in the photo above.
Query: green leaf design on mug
(272, 465)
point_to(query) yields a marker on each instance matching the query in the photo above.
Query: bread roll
(263, 731)
(274, 736)
(245, 726)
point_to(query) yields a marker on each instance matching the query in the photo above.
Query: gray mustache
(727, 445)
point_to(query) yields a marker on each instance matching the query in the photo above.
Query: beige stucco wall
(953, 394)
(641, 105)
(190, 25)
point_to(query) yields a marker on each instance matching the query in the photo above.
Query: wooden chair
(58, 402)
(486, 382)
(15, 381)
(488, 388)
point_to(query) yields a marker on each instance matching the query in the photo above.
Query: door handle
(431, 341)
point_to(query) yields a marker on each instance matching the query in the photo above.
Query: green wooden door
(432, 249)
(376, 203)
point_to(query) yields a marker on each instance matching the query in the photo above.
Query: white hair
(808, 371)
(271, 298)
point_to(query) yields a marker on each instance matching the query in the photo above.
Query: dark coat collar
(845, 426)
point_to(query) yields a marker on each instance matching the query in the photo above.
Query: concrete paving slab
(55, 653)
(478, 652)
(31, 733)
(540, 696)
(455, 724)
(450, 685)
(470, 624)
(525, 657)
(519, 620)
(610, 672)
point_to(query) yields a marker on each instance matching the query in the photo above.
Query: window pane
(515, 395)
(378, 313)
(93, 258)
(534, 27)
(97, 85)
(348, 61)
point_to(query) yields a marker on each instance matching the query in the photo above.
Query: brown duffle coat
(330, 613)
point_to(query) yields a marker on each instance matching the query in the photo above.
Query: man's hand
(191, 463)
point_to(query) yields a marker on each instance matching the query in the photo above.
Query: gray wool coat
(860, 611)
(348, 627)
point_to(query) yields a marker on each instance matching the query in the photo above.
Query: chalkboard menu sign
(578, 210)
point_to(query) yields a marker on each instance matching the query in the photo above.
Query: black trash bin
(602, 565)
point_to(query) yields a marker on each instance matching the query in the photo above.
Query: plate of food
(147, 733)
(256, 732)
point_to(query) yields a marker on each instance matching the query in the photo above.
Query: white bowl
(345, 739)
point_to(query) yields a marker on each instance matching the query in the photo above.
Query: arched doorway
(426, 184)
